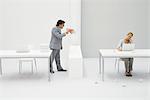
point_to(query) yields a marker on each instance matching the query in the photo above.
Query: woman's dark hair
(59, 22)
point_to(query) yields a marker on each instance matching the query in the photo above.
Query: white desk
(112, 53)
(12, 54)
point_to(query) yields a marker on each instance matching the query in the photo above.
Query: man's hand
(70, 30)
(66, 33)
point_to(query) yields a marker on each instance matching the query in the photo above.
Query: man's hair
(59, 22)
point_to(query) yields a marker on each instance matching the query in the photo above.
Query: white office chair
(44, 47)
(31, 60)
(117, 63)
(149, 66)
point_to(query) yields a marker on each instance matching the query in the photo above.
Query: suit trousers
(55, 55)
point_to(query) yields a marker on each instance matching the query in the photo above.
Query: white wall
(75, 13)
(0, 23)
(105, 22)
(29, 22)
(149, 22)
(26, 20)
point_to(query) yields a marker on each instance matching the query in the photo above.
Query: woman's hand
(119, 49)
(131, 40)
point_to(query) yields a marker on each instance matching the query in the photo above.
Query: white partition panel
(75, 62)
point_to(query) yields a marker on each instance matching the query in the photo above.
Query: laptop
(128, 47)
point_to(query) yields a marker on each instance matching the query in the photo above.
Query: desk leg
(35, 64)
(102, 68)
(99, 63)
(0, 66)
(148, 68)
(48, 69)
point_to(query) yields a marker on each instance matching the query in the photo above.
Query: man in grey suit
(56, 45)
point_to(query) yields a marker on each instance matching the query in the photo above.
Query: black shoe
(63, 70)
(128, 74)
(52, 72)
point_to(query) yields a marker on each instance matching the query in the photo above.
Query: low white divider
(75, 63)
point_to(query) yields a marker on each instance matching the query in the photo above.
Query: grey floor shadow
(23, 76)
(137, 76)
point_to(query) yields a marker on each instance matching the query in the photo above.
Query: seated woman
(128, 61)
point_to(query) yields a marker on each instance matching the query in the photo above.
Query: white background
(29, 22)
(105, 22)
(149, 22)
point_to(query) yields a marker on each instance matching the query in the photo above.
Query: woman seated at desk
(128, 61)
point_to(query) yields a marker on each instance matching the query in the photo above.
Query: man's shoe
(130, 75)
(63, 70)
(52, 72)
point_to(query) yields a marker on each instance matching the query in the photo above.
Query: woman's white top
(121, 43)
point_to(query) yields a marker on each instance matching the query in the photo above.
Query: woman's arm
(131, 40)
(119, 49)
(119, 45)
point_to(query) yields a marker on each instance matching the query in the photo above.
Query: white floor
(116, 86)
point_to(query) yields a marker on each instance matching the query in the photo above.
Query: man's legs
(52, 56)
(57, 60)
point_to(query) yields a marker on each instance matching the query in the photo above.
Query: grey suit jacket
(56, 38)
